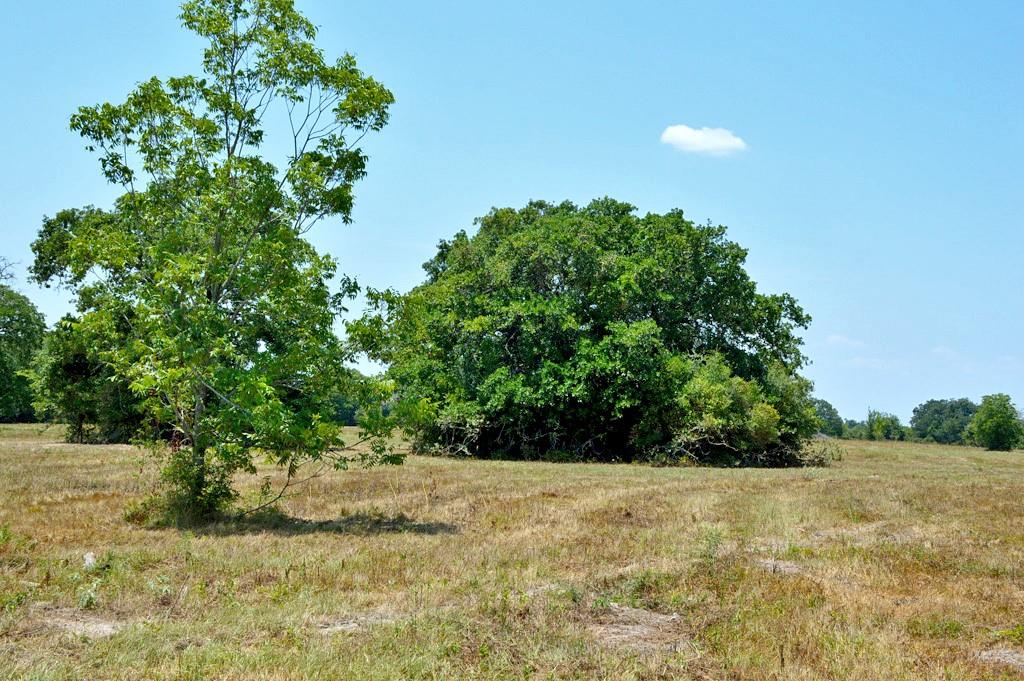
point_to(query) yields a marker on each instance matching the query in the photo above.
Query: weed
(1013, 634)
(89, 596)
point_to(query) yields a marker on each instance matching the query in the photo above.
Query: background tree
(21, 333)
(883, 426)
(594, 333)
(855, 430)
(997, 424)
(72, 385)
(943, 420)
(202, 291)
(831, 422)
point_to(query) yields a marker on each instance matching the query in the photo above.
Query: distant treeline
(995, 423)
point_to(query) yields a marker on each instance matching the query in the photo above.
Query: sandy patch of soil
(643, 631)
(539, 590)
(80, 623)
(356, 622)
(1006, 657)
(779, 567)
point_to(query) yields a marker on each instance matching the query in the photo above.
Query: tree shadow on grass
(356, 524)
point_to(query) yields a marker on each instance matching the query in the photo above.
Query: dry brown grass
(901, 561)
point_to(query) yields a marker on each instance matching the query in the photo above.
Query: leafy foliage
(997, 424)
(21, 333)
(593, 333)
(72, 385)
(203, 293)
(943, 421)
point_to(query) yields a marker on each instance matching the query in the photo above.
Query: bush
(593, 333)
(822, 453)
(997, 424)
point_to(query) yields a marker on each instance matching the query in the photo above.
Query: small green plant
(160, 586)
(11, 602)
(1014, 634)
(572, 594)
(89, 596)
(709, 541)
(145, 512)
(9, 539)
(935, 627)
(641, 589)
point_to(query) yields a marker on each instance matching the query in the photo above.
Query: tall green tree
(594, 333)
(943, 420)
(997, 424)
(21, 334)
(202, 290)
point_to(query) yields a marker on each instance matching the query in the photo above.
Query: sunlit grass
(900, 561)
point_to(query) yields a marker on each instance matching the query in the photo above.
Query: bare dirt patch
(356, 622)
(1006, 657)
(539, 590)
(780, 567)
(880, 532)
(643, 631)
(80, 623)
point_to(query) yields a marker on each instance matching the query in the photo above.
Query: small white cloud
(844, 341)
(710, 141)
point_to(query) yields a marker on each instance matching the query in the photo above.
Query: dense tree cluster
(943, 421)
(594, 333)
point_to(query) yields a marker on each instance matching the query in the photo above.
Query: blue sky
(881, 181)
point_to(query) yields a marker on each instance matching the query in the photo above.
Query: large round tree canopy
(594, 333)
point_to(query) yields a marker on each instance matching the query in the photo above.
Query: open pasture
(899, 561)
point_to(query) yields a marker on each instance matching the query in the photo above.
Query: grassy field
(900, 561)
